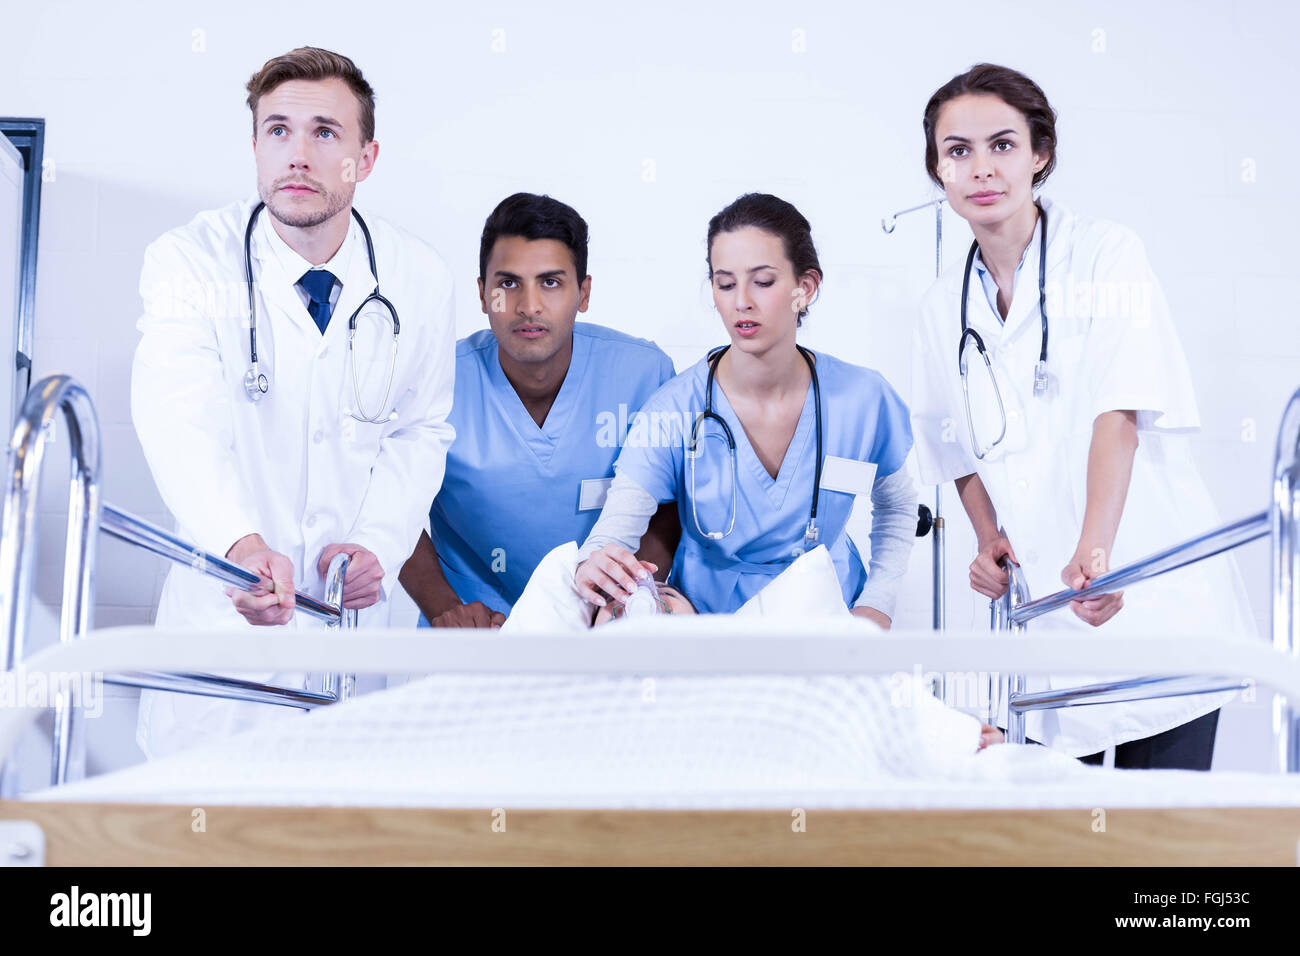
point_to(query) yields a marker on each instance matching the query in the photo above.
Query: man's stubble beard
(334, 204)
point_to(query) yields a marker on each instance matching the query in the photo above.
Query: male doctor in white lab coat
(282, 484)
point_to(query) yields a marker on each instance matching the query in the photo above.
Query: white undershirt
(295, 265)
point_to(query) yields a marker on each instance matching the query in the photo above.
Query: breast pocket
(995, 414)
(371, 397)
(1070, 392)
(1066, 361)
(360, 439)
(370, 373)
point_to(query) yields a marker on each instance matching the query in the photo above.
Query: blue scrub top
(512, 490)
(863, 419)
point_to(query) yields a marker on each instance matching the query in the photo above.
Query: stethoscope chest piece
(256, 384)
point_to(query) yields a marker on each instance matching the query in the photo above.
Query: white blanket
(579, 740)
(551, 604)
(627, 742)
(456, 740)
(478, 740)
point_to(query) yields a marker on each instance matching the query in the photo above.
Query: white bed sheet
(622, 742)
(541, 740)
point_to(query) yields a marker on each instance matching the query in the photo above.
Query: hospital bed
(293, 793)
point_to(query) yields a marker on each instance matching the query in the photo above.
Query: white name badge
(592, 493)
(848, 475)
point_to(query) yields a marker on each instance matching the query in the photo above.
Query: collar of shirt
(295, 265)
(987, 281)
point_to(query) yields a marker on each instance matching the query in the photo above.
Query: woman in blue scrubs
(747, 514)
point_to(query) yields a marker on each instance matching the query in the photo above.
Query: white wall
(1173, 119)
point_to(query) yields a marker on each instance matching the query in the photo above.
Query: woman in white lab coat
(1090, 472)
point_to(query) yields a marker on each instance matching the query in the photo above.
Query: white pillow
(937, 736)
(550, 602)
(807, 588)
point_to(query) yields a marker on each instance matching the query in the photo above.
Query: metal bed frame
(88, 515)
(1011, 613)
(1280, 522)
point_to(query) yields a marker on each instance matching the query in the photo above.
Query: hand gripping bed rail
(86, 516)
(1014, 610)
(334, 687)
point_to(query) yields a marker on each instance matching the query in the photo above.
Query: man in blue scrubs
(542, 405)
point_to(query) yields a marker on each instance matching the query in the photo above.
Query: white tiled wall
(650, 121)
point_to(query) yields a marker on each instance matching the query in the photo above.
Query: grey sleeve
(893, 532)
(623, 519)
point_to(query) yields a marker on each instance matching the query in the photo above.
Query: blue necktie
(318, 284)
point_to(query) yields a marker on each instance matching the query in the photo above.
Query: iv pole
(940, 620)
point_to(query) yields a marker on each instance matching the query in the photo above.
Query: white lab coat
(1112, 346)
(296, 467)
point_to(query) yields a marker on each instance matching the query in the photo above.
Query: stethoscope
(1040, 368)
(256, 382)
(810, 532)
